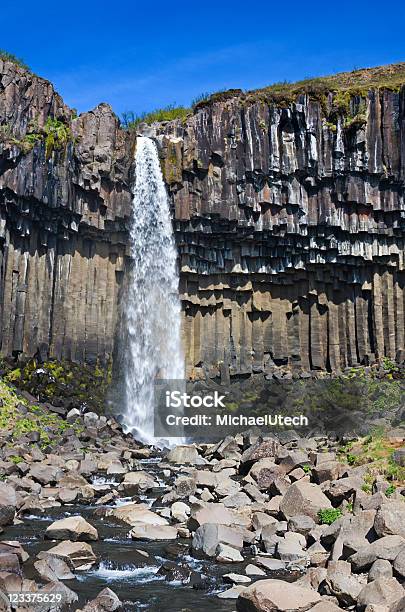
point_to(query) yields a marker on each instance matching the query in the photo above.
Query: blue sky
(143, 55)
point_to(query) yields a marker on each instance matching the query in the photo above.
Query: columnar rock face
(62, 224)
(290, 229)
(291, 233)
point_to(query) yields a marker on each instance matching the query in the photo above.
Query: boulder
(185, 486)
(213, 513)
(137, 481)
(341, 584)
(253, 570)
(380, 592)
(185, 453)
(305, 498)
(325, 606)
(106, 601)
(260, 450)
(180, 511)
(57, 588)
(45, 474)
(72, 528)
(9, 562)
(52, 569)
(236, 578)
(75, 554)
(390, 519)
(208, 536)
(227, 554)
(381, 568)
(8, 503)
(275, 595)
(146, 531)
(132, 514)
(237, 500)
(399, 563)
(301, 524)
(273, 565)
(384, 548)
(264, 472)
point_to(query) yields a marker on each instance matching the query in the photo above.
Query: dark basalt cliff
(290, 228)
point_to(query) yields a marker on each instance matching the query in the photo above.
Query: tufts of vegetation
(391, 490)
(375, 451)
(56, 135)
(61, 383)
(131, 120)
(15, 423)
(9, 57)
(329, 515)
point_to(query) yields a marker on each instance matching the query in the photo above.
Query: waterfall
(152, 305)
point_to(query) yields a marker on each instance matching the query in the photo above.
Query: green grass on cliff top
(357, 82)
(343, 84)
(10, 57)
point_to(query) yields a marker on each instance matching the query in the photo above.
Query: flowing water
(152, 305)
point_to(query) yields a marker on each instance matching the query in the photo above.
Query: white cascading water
(152, 305)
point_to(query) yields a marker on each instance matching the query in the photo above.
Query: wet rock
(132, 514)
(75, 554)
(185, 486)
(185, 454)
(15, 548)
(180, 511)
(227, 554)
(208, 536)
(137, 481)
(52, 569)
(146, 531)
(106, 601)
(304, 498)
(232, 593)
(212, 513)
(72, 528)
(237, 578)
(253, 570)
(9, 562)
(8, 503)
(175, 571)
(266, 595)
(58, 588)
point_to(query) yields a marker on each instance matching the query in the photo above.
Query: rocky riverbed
(251, 523)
